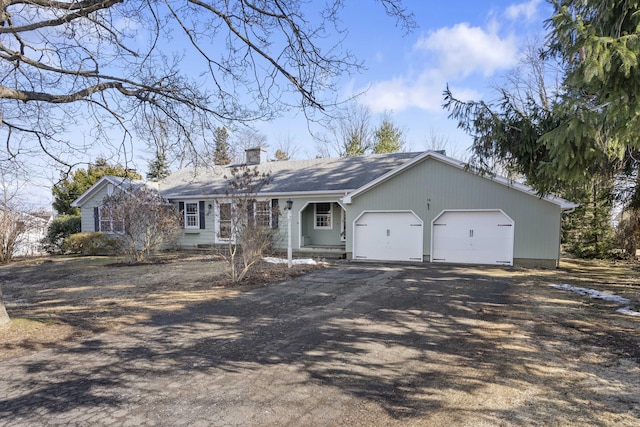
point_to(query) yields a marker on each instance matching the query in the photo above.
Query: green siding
(302, 220)
(191, 238)
(86, 211)
(431, 186)
(321, 236)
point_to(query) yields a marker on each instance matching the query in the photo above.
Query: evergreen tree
(158, 167)
(588, 233)
(513, 130)
(70, 187)
(280, 155)
(221, 154)
(387, 138)
(599, 46)
(354, 145)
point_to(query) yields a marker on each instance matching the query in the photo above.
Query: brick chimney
(256, 155)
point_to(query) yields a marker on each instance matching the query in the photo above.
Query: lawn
(374, 344)
(55, 299)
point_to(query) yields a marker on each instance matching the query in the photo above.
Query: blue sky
(468, 45)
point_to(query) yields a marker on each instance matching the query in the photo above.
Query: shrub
(149, 222)
(94, 243)
(59, 229)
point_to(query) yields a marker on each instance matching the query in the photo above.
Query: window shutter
(96, 219)
(181, 210)
(275, 213)
(250, 216)
(201, 212)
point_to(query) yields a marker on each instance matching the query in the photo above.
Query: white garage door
(388, 236)
(473, 237)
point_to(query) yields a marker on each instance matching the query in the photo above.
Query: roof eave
(273, 194)
(77, 203)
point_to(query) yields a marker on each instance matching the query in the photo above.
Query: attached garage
(472, 237)
(388, 236)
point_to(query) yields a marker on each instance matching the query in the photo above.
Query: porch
(322, 251)
(322, 229)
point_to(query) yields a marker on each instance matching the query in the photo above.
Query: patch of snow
(628, 310)
(592, 293)
(301, 261)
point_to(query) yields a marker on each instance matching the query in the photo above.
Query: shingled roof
(330, 175)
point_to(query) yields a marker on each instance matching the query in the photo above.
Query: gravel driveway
(359, 344)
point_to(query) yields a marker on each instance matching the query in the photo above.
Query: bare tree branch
(106, 66)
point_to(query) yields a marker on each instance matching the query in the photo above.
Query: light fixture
(289, 204)
(210, 206)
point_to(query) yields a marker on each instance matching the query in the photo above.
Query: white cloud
(400, 93)
(451, 55)
(527, 10)
(461, 50)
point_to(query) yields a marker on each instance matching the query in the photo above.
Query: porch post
(289, 252)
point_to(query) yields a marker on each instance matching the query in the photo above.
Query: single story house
(418, 207)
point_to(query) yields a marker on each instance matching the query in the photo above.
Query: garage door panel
(388, 236)
(474, 237)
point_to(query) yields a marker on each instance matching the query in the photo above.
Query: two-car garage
(457, 236)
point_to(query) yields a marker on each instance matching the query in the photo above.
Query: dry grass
(56, 299)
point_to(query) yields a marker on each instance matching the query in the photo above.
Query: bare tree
(243, 139)
(13, 225)
(4, 316)
(116, 64)
(286, 148)
(249, 232)
(143, 220)
(351, 134)
(436, 141)
(14, 221)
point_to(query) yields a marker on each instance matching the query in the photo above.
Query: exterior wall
(431, 186)
(302, 219)
(87, 222)
(314, 236)
(198, 238)
(29, 242)
(195, 238)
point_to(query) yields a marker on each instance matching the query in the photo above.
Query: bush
(94, 243)
(60, 228)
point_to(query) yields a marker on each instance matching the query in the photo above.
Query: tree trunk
(4, 317)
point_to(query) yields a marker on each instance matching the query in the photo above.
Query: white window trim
(111, 222)
(269, 210)
(197, 225)
(315, 216)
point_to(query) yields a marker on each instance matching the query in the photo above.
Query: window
(263, 213)
(109, 221)
(323, 216)
(224, 220)
(191, 215)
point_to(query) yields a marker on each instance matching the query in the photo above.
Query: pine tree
(588, 233)
(158, 167)
(387, 138)
(221, 154)
(280, 155)
(70, 187)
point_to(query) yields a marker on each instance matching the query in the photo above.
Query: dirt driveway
(354, 344)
